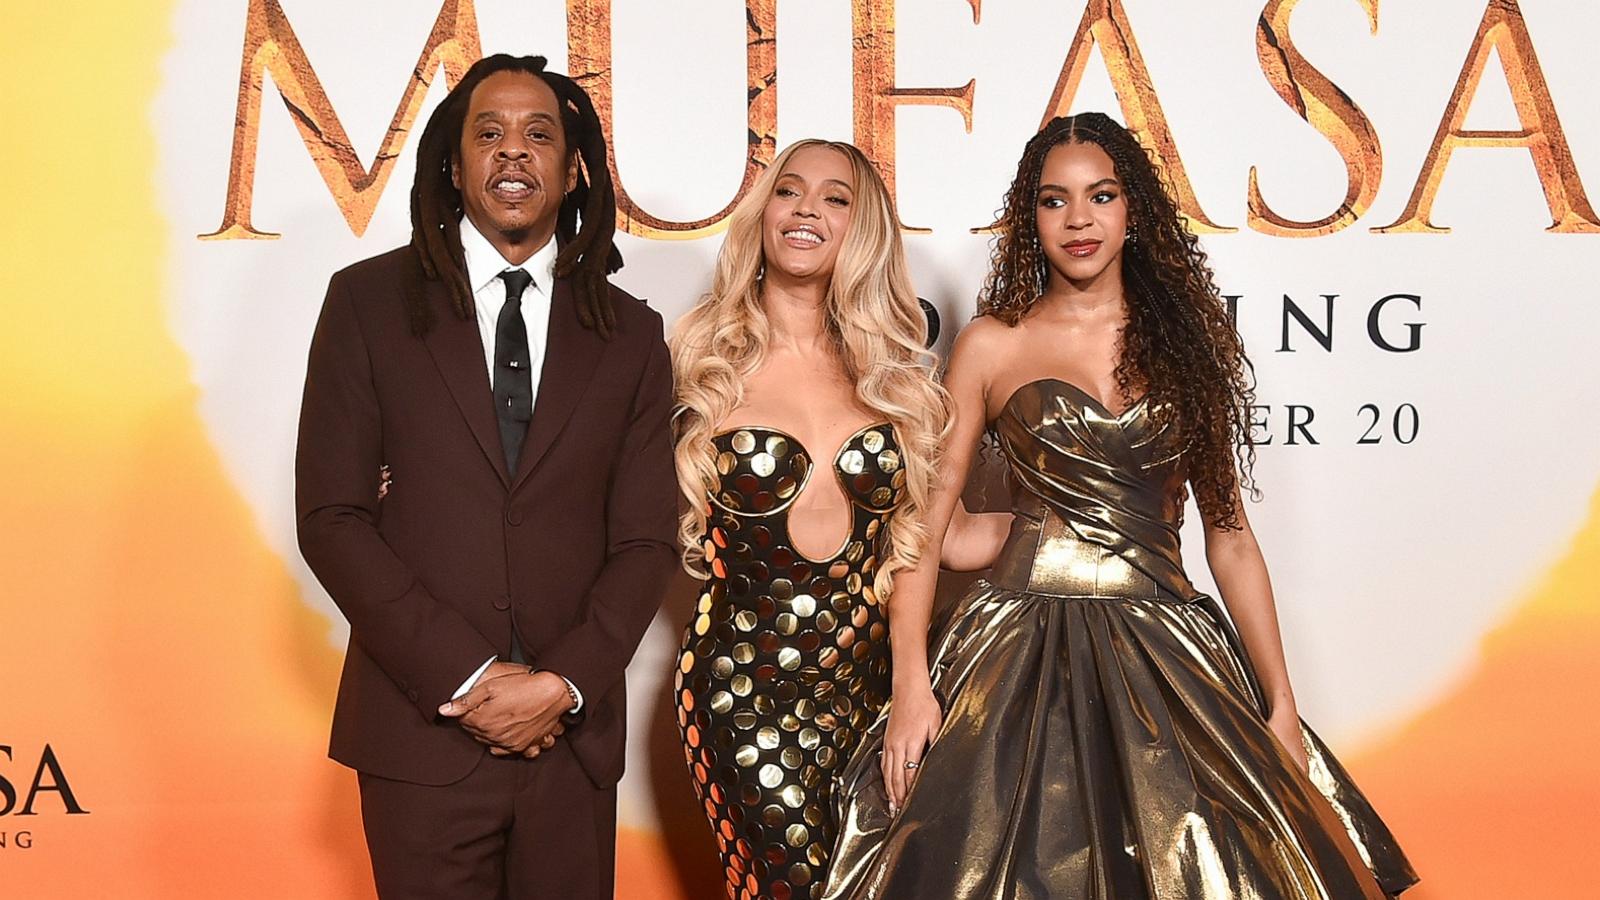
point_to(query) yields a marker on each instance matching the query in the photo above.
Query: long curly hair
(585, 222)
(1178, 343)
(878, 332)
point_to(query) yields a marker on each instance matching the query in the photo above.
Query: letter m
(271, 46)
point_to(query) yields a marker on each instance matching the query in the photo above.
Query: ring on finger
(913, 764)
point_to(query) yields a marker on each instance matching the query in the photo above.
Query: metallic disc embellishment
(743, 442)
(763, 464)
(872, 441)
(726, 463)
(794, 796)
(767, 738)
(852, 462)
(888, 460)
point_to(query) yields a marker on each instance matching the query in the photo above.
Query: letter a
(1106, 22)
(1504, 30)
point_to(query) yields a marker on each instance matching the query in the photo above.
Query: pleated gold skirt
(1105, 748)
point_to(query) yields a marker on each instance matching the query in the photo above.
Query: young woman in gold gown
(1098, 729)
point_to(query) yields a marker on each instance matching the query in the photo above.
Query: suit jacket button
(514, 517)
(502, 603)
(414, 696)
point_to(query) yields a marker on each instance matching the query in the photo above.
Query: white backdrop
(1390, 560)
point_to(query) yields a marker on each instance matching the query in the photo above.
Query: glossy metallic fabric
(786, 661)
(1104, 738)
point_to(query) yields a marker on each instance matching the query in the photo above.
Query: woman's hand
(914, 719)
(1285, 725)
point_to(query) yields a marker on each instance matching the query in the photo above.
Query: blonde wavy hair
(878, 333)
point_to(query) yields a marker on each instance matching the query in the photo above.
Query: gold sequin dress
(786, 661)
(1104, 736)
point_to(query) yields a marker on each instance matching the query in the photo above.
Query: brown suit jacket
(575, 548)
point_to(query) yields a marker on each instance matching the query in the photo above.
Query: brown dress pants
(513, 829)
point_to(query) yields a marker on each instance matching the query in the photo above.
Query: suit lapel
(572, 353)
(457, 351)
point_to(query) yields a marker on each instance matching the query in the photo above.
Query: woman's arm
(1241, 575)
(974, 540)
(914, 715)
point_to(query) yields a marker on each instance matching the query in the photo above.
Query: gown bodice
(1098, 497)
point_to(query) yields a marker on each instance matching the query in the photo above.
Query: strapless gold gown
(1104, 736)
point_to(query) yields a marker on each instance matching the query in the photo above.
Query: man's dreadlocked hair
(1179, 342)
(586, 255)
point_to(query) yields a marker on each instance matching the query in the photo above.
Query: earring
(1041, 272)
(1133, 235)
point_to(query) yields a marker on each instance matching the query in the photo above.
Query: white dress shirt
(484, 265)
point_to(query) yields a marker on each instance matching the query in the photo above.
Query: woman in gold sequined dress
(806, 431)
(1098, 729)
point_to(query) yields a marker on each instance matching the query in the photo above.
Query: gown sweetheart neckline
(1120, 418)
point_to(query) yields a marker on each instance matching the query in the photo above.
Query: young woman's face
(1081, 212)
(808, 213)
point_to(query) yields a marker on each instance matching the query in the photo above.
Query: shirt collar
(484, 262)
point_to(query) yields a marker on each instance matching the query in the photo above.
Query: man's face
(513, 167)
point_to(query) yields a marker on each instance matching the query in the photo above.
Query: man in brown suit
(518, 407)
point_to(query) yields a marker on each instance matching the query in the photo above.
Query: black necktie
(513, 369)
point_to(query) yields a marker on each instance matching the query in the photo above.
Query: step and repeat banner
(1395, 194)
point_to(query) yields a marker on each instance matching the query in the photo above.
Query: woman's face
(808, 213)
(1081, 213)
